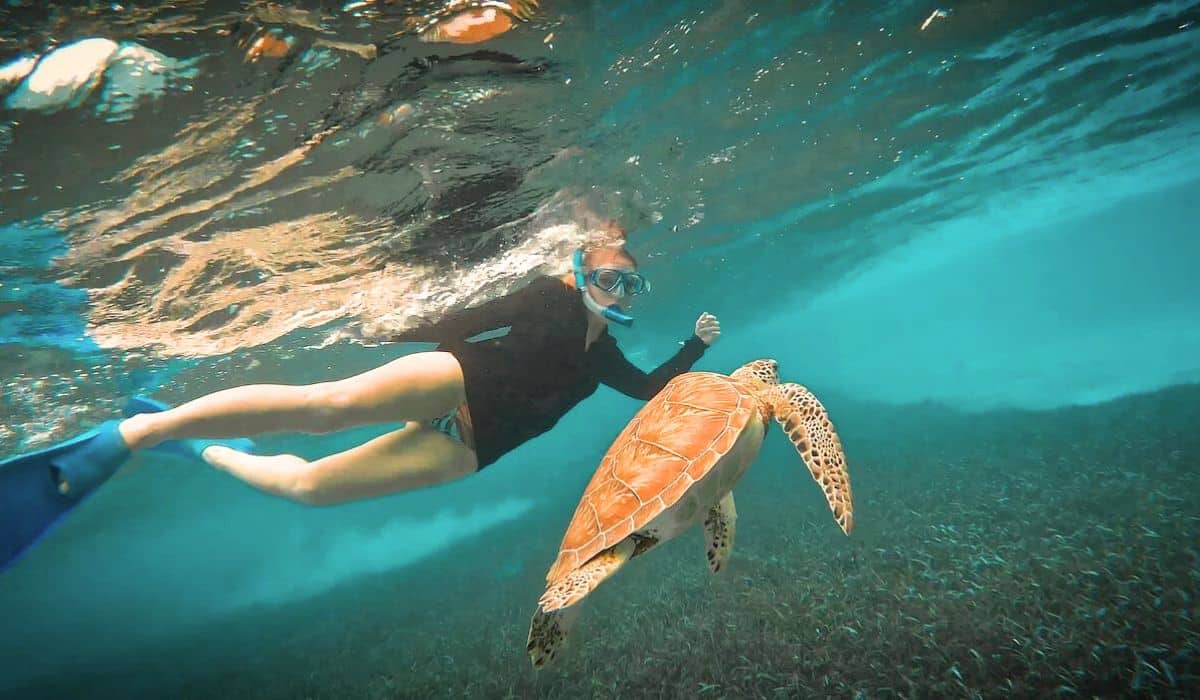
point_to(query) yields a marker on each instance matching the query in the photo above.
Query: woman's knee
(308, 484)
(310, 490)
(416, 387)
(330, 407)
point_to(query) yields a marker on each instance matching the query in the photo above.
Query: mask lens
(619, 282)
(608, 280)
(635, 283)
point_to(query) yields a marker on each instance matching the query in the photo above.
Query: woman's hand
(708, 328)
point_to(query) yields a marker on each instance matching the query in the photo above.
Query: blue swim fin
(39, 488)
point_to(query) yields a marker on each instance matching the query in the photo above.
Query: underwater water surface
(969, 228)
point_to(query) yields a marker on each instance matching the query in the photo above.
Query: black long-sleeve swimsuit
(519, 383)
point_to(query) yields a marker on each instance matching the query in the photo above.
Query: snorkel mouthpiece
(611, 312)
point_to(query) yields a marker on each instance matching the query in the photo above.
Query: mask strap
(580, 280)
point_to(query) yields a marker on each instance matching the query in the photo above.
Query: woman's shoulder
(550, 280)
(549, 285)
(554, 299)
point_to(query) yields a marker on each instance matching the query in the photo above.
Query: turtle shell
(670, 444)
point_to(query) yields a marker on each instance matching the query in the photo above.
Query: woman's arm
(621, 374)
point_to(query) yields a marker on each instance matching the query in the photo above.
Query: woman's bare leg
(413, 457)
(415, 387)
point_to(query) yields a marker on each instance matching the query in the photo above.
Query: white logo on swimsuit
(490, 334)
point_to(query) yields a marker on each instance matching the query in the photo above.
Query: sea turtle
(674, 466)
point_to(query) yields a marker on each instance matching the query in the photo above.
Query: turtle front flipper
(807, 425)
(547, 633)
(718, 532)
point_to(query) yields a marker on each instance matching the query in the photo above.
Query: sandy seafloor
(1011, 554)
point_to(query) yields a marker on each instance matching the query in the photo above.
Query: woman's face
(613, 260)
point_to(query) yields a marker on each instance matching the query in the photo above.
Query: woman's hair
(610, 238)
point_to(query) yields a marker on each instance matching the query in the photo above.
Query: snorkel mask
(628, 284)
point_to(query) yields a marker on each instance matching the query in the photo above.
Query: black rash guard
(519, 383)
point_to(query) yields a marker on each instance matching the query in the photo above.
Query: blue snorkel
(612, 312)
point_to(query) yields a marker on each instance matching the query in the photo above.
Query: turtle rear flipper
(807, 425)
(548, 632)
(559, 605)
(569, 589)
(718, 532)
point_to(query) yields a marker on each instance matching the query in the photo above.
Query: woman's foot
(137, 431)
(230, 460)
(283, 475)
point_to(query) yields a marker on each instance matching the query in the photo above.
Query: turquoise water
(974, 241)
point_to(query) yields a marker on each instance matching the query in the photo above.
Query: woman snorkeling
(503, 372)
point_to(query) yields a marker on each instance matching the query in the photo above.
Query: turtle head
(759, 373)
